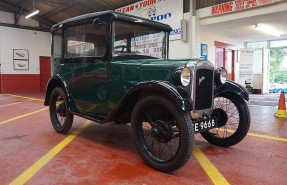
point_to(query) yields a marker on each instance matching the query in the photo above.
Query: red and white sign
(238, 5)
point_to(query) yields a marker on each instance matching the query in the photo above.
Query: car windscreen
(135, 39)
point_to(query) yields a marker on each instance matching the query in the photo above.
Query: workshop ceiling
(54, 11)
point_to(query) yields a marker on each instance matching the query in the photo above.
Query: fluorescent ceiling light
(268, 29)
(31, 14)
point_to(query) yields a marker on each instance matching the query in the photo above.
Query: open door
(225, 57)
(265, 70)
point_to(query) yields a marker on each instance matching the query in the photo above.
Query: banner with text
(165, 11)
(246, 66)
(238, 5)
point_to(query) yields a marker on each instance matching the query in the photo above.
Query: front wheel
(233, 121)
(163, 134)
(60, 116)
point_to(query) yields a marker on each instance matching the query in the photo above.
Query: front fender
(231, 86)
(56, 81)
(177, 95)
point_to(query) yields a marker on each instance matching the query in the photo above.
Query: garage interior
(33, 153)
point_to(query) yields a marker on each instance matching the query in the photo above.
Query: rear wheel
(233, 121)
(60, 116)
(163, 134)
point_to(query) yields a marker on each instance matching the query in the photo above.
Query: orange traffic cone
(281, 113)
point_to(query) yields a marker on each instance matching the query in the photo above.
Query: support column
(194, 31)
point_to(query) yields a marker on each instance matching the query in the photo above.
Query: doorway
(225, 57)
(45, 72)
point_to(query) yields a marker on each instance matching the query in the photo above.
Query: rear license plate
(204, 124)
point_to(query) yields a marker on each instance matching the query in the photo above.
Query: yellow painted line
(32, 170)
(268, 137)
(15, 103)
(216, 177)
(17, 96)
(262, 136)
(24, 115)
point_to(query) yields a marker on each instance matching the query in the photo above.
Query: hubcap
(61, 110)
(162, 131)
(221, 116)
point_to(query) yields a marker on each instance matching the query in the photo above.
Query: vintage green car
(109, 66)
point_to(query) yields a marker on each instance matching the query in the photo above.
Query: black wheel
(60, 116)
(233, 121)
(163, 134)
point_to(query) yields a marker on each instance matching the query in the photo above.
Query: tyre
(60, 116)
(163, 135)
(233, 121)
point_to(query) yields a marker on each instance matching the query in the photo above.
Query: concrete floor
(33, 153)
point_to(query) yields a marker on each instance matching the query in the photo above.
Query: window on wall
(278, 43)
(57, 44)
(86, 40)
(254, 45)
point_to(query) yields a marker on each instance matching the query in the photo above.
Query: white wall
(36, 42)
(209, 39)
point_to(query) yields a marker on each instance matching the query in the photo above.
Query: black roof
(118, 16)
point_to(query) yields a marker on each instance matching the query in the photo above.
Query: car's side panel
(178, 96)
(87, 81)
(233, 87)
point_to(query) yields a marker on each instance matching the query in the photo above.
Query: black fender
(179, 96)
(56, 81)
(232, 87)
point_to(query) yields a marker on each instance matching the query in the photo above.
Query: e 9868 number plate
(204, 124)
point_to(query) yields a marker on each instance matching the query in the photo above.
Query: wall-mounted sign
(20, 59)
(246, 66)
(203, 51)
(238, 5)
(165, 11)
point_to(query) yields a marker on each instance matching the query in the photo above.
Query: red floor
(105, 154)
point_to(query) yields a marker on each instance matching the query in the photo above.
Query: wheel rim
(60, 110)
(230, 119)
(158, 133)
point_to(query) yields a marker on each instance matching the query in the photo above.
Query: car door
(84, 67)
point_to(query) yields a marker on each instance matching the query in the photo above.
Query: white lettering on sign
(238, 5)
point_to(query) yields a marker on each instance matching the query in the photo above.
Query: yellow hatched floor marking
(24, 115)
(15, 103)
(18, 96)
(216, 177)
(32, 170)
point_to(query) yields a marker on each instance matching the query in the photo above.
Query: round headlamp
(220, 75)
(185, 76)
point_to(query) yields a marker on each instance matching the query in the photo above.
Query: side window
(86, 40)
(57, 44)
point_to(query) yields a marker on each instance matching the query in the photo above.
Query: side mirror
(99, 22)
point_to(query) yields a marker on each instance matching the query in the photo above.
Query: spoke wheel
(163, 135)
(60, 116)
(233, 119)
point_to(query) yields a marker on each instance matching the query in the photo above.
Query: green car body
(109, 66)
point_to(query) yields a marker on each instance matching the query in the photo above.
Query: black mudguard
(231, 87)
(56, 81)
